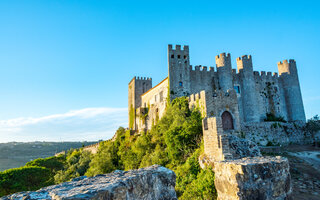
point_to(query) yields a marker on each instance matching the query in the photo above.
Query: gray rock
(155, 182)
(262, 178)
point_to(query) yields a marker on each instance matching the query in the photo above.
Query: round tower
(248, 90)
(292, 93)
(223, 63)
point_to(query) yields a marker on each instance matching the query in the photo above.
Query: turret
(179, 71)
(290, 82)
(224, 70)
(247, 89)
(137, 86)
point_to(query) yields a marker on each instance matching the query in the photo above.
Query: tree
(313, 126)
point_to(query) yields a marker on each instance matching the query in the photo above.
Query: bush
(77, 163)
(24, 179)
(272, 118)
(54, 163)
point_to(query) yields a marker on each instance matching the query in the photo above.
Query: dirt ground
(304, 168)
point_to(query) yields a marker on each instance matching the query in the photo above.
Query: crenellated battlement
(143, 78)
(178, 47)
(244, 57)
(223, 55)
(201, 68)
(265, 75)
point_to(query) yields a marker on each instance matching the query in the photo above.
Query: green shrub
(54, 163)
(24, 179)
(272, 118)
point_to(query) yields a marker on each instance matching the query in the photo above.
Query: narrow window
(180, 84)
(161, 96)
(185, 57)
(178, 56)
(155, 98)
(143, 87)
(237, 88)
(172, 56)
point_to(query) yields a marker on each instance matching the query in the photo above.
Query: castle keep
(238, 96)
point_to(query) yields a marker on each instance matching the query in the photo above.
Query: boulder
(153, 182)
(261, 178)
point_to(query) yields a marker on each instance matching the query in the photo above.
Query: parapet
(143, 78)
(223, 60)
(178, 47)
(223, 55)
(137, 78)
(244, 57)
(287, 67)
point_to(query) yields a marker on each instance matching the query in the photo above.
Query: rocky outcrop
(153, 182)
(262, 178)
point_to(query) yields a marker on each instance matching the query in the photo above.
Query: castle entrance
(227, 121)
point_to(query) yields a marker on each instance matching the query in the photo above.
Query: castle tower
(224, 70)
(137, 86)
(248, 90)
(179, 71)
(216, 143)
(290, 83)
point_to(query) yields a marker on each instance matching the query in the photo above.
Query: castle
(239, 97)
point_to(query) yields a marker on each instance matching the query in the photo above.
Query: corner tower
(137, 86)
(223, 63)
(179, 71)
(292, 93)
(248, 90)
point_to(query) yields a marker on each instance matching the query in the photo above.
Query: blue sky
(62, 57)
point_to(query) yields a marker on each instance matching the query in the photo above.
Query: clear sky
(65, 65)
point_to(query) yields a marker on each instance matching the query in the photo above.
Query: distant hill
(16, 154)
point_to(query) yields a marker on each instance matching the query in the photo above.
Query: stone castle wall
(256, 93)
(153, 105)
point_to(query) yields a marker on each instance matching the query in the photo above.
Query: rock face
(262, 178)
(153, 182)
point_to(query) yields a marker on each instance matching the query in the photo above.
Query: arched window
(180, 84)
(227, 121)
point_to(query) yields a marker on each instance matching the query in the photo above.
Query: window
(180, 84)
(178, 56)
(155, 98)
(172, 56)
(237, 88)
(161, 96)
(185, 57)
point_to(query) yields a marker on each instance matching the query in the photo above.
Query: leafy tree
(313, 126)
(77, 163)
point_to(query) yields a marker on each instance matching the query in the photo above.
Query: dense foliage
(174, 142)
(313, 126)
(24, 179)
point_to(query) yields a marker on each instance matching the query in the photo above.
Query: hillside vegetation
(16, 154)
(175, 142)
